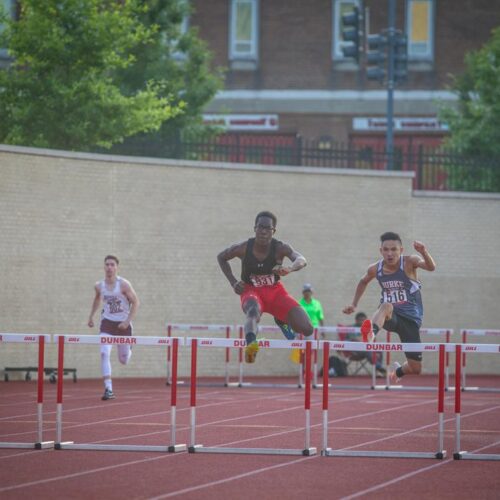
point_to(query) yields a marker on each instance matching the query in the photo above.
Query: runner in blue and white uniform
(400, 309)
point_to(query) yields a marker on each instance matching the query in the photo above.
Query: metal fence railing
(435, 169)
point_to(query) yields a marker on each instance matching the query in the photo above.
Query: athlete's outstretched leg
(370, 328)
(298, 319)
(253, 313)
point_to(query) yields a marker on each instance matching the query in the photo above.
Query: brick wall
(62, 213)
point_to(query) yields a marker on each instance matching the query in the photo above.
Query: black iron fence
(435, 169)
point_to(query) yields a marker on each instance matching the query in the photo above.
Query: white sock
(108, 384)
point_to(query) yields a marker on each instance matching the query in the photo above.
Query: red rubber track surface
(249, 417)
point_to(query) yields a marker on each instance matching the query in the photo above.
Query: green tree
(61, 91)
(180, 61)
(474, 123)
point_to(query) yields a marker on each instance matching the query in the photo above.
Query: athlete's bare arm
(298, 261)
(235, 250)
(360, 289)
(95, 305)
(129, 292)
(422, 261)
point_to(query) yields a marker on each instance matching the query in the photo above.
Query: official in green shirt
(312, 306)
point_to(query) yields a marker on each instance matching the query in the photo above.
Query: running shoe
(251, 351)
(367, 334)
(108, 394)
(286, 329)
(394, 379)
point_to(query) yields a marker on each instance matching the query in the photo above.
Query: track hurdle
(361, 346)
(192, 329)
(265, 329)
(480, 333)
(196, 343)
(458, 454)
(345, 330)
(172, 342)
(41, 340)
(445, 334)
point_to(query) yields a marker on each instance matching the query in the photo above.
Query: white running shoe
(392, 373)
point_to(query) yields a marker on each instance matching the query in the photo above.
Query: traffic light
(400, 57)
(350, 33)
(376, 57)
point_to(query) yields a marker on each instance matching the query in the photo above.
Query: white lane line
(410, 474)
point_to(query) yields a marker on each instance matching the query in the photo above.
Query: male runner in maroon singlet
(260, 288)
(119, 307)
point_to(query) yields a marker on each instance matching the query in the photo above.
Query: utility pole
(391, 35)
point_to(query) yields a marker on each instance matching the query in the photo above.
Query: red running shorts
(274, 300)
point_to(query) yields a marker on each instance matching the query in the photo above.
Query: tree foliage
(474, 123)
(61, 90)
(180, 60)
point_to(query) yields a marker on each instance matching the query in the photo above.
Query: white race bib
(394, 296)
(262, 279)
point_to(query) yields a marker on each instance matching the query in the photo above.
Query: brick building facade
(284, 64)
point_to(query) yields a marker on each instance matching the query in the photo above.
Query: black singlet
(251, 266)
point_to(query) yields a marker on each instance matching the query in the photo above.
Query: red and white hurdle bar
(172, 342)
(41, 340)
(481, 333)
(263, 330)
(478, 348)
(343, 330)
(361, 346)
(204, 329)
(201, 343)
(446, 334)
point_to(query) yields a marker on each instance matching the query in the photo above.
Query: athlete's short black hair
(266, 213)
(390, 236)
(112, 257)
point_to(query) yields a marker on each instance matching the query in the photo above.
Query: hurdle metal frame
(194, 343)
(447, 332)
(172, 342)
(263, 329)
(192, 328)
(458, 453)
(475, 332)
(336, 330)
(384, 347)
(41, 340)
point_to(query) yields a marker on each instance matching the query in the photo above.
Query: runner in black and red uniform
(260, 288)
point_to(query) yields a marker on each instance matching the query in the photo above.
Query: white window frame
(251, 54)
(337, 43)
(428, 55)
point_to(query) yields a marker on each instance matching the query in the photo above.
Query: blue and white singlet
(402, 292)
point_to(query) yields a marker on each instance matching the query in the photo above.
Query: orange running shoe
(367, 331)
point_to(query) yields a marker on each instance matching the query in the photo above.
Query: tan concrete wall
(61, 213)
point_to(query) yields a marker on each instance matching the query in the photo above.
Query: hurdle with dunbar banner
(192, 329)
(41, 340)
(265, 329)
(440, 332)
(477, 348)
(172, 342)
(481, 333)
(384, 347)
(202, 343)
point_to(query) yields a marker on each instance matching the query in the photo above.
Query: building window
(243, 32)
(341, 7)
(420, 29)
(7, 7)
